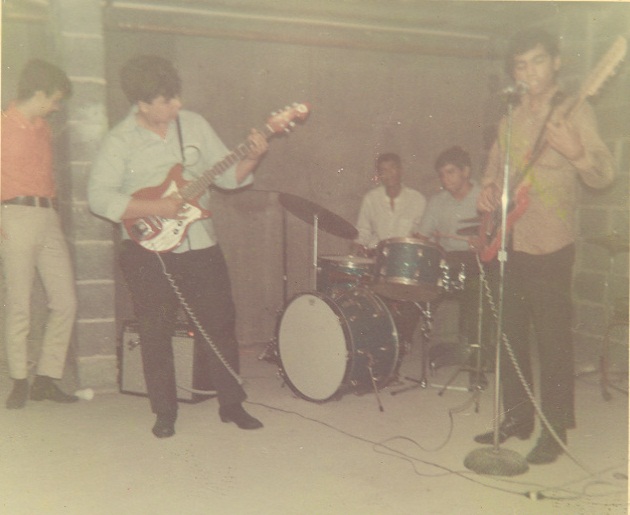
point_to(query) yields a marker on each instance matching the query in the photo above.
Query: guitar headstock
(283, 121)
(606, 67)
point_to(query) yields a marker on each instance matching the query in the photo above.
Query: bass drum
(327, 346)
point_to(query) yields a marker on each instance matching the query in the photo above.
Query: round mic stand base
(496, 462)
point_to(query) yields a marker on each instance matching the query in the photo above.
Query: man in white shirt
(138, 153)
(391, 210)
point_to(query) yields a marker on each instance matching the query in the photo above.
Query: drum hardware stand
(373, 379)
(270, 353)
(477, 370)
(425, 329)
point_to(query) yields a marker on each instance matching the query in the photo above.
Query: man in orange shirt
(32, 240)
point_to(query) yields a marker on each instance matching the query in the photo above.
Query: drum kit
(341, 337)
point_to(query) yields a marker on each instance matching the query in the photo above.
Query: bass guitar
(490, 233)
(160, 234)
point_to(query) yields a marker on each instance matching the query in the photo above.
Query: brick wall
(601, 276)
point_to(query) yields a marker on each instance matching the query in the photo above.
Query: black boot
(19, 394)
(44, 388)
(164, 425)
(235, 413)
(547, 448)
(508, 428)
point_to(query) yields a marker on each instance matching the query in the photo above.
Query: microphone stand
(494, 460)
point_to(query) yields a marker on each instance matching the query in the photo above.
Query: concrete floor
(339, 457)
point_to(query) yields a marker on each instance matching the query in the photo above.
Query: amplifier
(192, 370)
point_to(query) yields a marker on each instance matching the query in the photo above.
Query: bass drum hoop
(349, 346)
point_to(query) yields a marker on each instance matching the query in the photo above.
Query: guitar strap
(181, 139)
(538, 147)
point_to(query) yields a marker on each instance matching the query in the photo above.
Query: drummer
(391, 210)
(449, 222)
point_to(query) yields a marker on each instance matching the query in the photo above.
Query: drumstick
(439, 235)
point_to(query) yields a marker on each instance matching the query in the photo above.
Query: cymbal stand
(315, 250)
(270, 353)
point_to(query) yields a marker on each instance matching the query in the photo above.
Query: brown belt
(32, 201)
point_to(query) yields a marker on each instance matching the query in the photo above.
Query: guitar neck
(540, 145)
(195, 189)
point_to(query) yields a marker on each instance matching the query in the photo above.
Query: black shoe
(235, 413)
(477, 381)
(164, 426)
(19, 394)
(508, 428)
(45, 389)
(547, 449)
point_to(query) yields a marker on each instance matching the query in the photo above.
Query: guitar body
(490, 232)
(164, 234)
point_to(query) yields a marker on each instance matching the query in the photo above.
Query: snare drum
(337, 274)
(408, 269)
(328, 346)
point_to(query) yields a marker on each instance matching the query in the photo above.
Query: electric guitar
(490, 233)
(164, 234)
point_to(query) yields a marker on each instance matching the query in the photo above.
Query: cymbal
(471, 230)
(473, 220)
(611, 242)
(326, 220)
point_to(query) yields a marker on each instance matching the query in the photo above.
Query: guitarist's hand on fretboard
(257, 145)
(565, 139)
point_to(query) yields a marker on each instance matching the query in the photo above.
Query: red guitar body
(164, 234)
(490, 232)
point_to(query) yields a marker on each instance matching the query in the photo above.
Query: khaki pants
(32, 241)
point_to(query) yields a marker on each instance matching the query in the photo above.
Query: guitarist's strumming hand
(563, 138)
(489, 198)
(170, 206)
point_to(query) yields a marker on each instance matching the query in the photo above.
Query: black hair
(389, 157)
(526, 40)
(454, 156)
(146, 77)
(40, 75)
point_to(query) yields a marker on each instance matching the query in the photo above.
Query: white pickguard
(169, 232)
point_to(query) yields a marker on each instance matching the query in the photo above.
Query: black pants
(203, 280)
(537, 292)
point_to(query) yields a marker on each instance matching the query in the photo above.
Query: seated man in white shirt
(391, 210)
